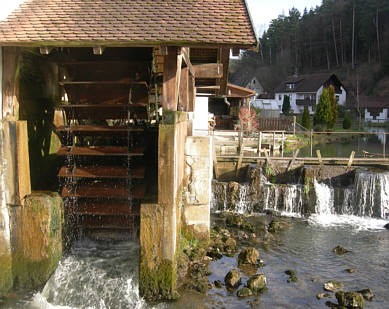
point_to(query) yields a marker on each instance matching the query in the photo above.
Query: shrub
(347, 121)
(306, 121)
(286, 105)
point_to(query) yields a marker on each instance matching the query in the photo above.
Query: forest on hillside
(347, 37)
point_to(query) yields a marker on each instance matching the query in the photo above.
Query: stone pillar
(36, 237)
(160, 223)
(198, 158)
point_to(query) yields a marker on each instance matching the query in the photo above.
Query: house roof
(129, 23)
(306, 83)
(373, 102)
(235, 91)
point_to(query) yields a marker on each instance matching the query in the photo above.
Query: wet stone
(218, 284)
(257, 282)
(244, 292)
(350, 299)
(351, 270)
(248, 255)
(386, 226)
(232, 279)
(340, 250)
(323, 295)
(367, 294)
(332, 286)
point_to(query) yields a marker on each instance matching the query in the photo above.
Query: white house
(255, 85)
(305, 90)
(376, 109)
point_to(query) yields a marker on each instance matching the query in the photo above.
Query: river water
(105, 274)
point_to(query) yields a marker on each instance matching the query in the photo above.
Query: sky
(262, 11)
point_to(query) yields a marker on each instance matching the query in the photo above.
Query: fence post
(294, 125)
(259, 143)
(274, 141)
(384, 150)
(311, 142)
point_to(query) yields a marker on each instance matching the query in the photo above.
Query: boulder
(340, 250)
(351, 270)
(322, 295)
(350, 299)
(332, 286)
(367, 294)
(248, 256)
(218, 284)
(232, 279)
(244, 292)
(386, 226)
(230, 246)
(257, 282)
(277, 225)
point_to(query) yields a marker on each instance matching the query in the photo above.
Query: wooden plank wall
(275, 124)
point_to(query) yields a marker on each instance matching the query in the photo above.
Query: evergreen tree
(347, 121)
(286, 105)
(306, 121)
(322, 118)
(334, 106)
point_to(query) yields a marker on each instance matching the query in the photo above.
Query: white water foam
(325, 212)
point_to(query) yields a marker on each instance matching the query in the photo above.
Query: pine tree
(286, 105)
(306, 121)
(322, 118)
(334, 106)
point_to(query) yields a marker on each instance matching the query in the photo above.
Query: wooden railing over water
(256, 146)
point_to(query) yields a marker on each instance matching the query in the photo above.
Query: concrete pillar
(198, 158)
(160, 223)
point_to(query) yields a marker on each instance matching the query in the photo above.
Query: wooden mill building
(105, 91)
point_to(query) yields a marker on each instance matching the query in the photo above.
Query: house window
(290, 86)
(337, 99)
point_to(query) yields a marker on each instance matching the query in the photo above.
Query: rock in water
(232, 278)
(292, 275)
(244, 292)
(248, 256)
(322, 295)
(386, 226)
(218, 284)
(278, 225)
(257, 282)
(367, 294)
(332, 286)
(350, 299)
(351, 270)
(340, 250)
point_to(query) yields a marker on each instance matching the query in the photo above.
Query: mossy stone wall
(36, 237)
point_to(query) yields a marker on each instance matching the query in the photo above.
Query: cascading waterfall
(368, 198)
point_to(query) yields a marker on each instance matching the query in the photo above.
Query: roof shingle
(129, 22)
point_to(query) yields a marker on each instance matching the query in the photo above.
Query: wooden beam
(171, 79)
(183, 96)
(208, 70)
(214, 159)
(10, 83)
(235, 51)
(350, 161)
(191, 92)
(185, 53)
(224, 59)
(291, 162)
(239, 164)
(319, 157)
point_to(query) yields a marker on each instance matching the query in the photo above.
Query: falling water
(242, 206)
(94, 275)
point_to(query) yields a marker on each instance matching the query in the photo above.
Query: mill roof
(129, 23)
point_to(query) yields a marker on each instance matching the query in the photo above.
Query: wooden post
(240, 140)
(274, 141)
(319, 157)
(171, 79)
(384, 142)
(238, 165)
(294, 125)
(183, 96)
(269, 161)
(311, 140)
(283, 139)
(293, 159)
(259, 143)
(214, 158)
(10, 87)
(350, 161)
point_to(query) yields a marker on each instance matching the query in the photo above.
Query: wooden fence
(277, 124)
